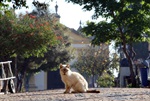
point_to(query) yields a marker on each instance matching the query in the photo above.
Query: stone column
(45, 80)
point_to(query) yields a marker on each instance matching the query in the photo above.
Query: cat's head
(64, 69)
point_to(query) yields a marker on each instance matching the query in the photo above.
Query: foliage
(25, 36)
(60, 53)
(56, 54)
(94, 61)
(31, 35)
(49, 62)
(129, 21)
(35, 39)
(17, 4)
(106, 80)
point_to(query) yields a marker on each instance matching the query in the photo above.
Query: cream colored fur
(73, 80)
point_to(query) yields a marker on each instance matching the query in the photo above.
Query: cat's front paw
(66, 92)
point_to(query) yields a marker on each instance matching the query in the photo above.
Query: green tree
(55, 55)
(128, 21)
(24, 36)
(106, 80)
(93, 61)
(16, 3)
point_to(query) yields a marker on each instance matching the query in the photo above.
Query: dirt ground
(107, 94)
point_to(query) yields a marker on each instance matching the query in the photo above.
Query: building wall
(141, 50)
(124, 71)
(54, 80)
(41, 80)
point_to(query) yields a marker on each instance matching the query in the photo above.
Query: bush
(106, 81)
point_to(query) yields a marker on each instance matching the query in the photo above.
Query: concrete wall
(124, 71)
(41, 80)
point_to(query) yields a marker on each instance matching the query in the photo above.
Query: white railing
(6, 71)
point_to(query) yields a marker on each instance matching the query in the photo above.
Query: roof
(76, 37)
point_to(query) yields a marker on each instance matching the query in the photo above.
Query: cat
(74, 80)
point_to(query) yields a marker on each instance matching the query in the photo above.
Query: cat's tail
(92, 91)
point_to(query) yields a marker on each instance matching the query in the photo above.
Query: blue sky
(70, 13)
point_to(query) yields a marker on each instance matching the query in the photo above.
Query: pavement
(106, 94)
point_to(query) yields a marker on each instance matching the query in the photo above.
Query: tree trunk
(130, 60)
(19, 83)
(93, 81)
(21, 75)
(127, 53)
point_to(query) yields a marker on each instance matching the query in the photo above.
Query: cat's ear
(68, 66)
(60, 66)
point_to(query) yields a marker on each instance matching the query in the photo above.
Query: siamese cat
(74, 80)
